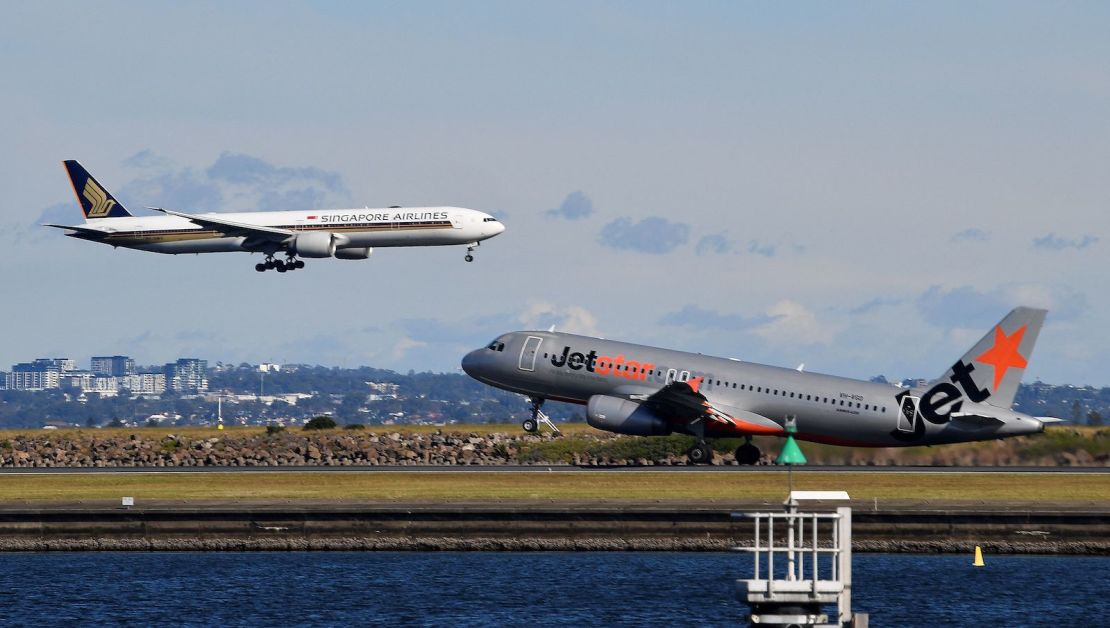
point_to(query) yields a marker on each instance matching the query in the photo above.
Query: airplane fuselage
(829, 409)
(359, 228)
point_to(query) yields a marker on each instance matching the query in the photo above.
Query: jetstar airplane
(647, 391)
(339, 233)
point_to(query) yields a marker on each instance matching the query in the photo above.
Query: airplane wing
(230, 228)
(683, 403)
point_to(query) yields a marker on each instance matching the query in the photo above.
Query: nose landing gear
(470, 250)
(532, 425)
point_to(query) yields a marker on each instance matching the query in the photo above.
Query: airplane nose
(470, 363)
(497, 228)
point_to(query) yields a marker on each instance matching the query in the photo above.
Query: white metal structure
(802, 561)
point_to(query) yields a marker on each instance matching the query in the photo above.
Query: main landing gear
(290, 263)
(532, 425)
(747, 454)
(470, 251)
(700, 453)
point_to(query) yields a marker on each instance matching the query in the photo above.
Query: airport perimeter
(913, 511)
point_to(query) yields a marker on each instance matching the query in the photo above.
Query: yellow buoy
(978, 558)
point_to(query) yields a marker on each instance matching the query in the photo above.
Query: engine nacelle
(314, 244)
(355, 253)
(622, 416)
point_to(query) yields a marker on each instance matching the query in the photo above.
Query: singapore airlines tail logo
(98, 200)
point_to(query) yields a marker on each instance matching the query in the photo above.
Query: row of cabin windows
(792, 395)
(759, 389)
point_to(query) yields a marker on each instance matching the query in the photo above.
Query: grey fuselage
(828, 409)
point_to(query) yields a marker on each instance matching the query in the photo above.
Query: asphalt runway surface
(549, 469)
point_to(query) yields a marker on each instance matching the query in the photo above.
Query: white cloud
(794, 325)
(403, 346)
(572, 319)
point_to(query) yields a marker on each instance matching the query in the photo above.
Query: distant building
(113, 365)
(77, 380)
(384, 390)
(61, 364)
(40, 374)
(268, 367)
(188, 375)
(144, 383)
(4, 380)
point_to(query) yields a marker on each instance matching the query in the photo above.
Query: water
(542, 589)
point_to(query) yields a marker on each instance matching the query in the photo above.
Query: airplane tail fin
(992, 369)
(95, 201)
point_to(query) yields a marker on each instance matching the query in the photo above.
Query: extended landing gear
(470, 251)
(290, 263)
(532, 425)
(700, 453)
(748, 454)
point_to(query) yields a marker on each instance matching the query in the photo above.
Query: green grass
(598, 486)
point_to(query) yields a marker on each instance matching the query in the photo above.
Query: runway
(551, 469)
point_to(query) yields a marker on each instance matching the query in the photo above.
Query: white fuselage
(355, 228)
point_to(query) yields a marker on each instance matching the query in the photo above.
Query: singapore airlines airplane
(339, 233)
(647, 391)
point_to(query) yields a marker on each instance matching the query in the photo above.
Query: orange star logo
(1004, 354)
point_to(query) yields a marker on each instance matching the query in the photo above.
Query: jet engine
(314, 244)
(355, 253)
(622, 416)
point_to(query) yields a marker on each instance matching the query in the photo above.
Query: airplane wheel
(290, 265)
(530, 426)
(260, 267)
(270, 264)
(700, 454)
(469, 258)
(747, 454)
(280, 266)
(299, 263)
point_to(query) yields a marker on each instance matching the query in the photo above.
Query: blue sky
(863, 188)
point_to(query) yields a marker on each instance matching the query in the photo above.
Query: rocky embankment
(353, 448)
(526, 544)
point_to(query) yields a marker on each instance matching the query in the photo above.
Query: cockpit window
(496, 345)
(489, 219)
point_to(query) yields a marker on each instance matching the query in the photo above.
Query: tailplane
(991, 371)
(95, 201)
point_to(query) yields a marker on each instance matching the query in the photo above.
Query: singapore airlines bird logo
(98, 199)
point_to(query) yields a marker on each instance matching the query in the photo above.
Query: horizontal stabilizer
(1049, 419)
(87, 230)
(966, 419)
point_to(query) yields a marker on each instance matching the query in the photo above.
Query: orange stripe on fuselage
(619, 367)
